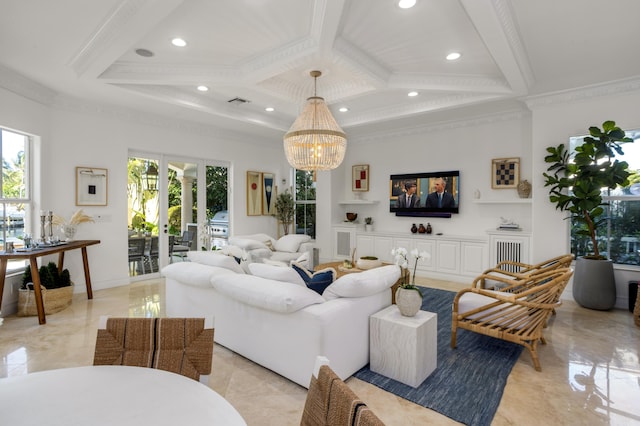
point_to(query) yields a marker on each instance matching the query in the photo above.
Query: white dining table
(111, 395)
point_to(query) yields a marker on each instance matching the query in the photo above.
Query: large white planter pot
(594, 285)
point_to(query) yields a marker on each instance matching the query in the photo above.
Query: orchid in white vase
(402, 256)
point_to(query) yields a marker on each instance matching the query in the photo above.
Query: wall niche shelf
(349, 202)
(513, 201)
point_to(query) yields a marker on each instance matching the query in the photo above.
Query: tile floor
(590, 367)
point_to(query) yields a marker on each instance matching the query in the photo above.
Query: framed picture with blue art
(505, 173)
(268, 194)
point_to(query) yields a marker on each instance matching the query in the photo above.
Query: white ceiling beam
(449, 83)
(495, 25)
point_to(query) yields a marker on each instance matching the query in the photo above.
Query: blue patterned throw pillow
(317, 281)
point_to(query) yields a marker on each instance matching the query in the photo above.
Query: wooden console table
(33, 256)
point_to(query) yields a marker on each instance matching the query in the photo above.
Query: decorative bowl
(352, 216)
(368, 262)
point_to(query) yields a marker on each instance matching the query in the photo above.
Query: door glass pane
(143, 212)
(217, 210)
(182, 197)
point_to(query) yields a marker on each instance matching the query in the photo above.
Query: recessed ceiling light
(343, 109)
(453, 56)
(412, 94)
(406, 4)
(203, 88)
(269, 109)
(178, 42)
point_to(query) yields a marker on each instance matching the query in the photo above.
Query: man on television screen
(440, 199)
(409, 198)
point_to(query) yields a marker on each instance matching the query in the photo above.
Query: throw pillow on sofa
(291, 243)
(317, 281)
(212, 258)
(266, 294)
(363, 284)
(277, 273)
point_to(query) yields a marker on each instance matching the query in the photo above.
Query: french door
(171, 200)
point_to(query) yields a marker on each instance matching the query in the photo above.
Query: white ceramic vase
(409, 301)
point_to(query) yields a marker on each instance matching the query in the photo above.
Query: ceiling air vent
(238, 101)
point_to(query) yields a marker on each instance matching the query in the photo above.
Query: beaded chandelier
(315, 141)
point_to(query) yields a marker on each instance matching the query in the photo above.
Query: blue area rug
(468, 383)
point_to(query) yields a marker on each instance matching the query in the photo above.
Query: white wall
(90, 136)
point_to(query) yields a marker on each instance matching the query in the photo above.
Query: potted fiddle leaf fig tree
(575, 186)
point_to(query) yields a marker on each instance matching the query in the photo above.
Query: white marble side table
(403, 348)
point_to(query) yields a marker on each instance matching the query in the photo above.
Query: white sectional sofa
(273, 319)
(261, 247)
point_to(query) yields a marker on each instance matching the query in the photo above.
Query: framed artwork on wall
(505, 173)
(91, 186)
(254, 193)
(360, 177)
(268, 194)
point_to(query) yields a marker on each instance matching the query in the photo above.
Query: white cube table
(403, 348)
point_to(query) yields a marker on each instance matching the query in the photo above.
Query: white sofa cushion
(212, 258)
(277, 273)
(193, 274)
(291, 243)
(361, 284)
(267, 294)
(247, 243)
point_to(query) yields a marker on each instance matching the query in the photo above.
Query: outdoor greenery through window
(305, 203)
(15, 198)
(621, 243)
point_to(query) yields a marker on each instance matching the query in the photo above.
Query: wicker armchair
(507, 270)
(331, 402)
(517, 313)
(179, 345)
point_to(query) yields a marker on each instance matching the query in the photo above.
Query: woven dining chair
(517, 316)
(179, 345)
(330, 402)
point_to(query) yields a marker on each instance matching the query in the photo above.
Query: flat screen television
(419, 194)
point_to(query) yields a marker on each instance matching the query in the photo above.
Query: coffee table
(340, 271)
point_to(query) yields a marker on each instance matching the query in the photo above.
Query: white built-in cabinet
(452, 257)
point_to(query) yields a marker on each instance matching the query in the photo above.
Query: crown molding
(582, 93)
(472, 121)
(22, 86)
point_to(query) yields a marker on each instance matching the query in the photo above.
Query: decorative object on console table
(69, 228)
(368, 224)
(505, 173)
(524, 189)
(414, 228)
(429, 228)
(368, 262)
(254, 193)
(91, 186)
(360, 177)
(592, 288)
(351, 217)
(408, 295)
(421, 229)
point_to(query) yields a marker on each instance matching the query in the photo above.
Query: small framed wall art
(505, 173)
(254, 193)
(91, 186)
(360, 177)
(268, 194)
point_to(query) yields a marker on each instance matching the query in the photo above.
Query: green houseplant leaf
(576, 183)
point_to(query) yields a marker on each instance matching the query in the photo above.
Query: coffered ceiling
(371, 53)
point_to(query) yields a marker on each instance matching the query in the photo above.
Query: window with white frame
(15, 199)
(621, 242)
(305, 203)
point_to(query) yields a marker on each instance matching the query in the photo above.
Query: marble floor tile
(590, 365)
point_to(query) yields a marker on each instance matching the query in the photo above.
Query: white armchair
(262, 247)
